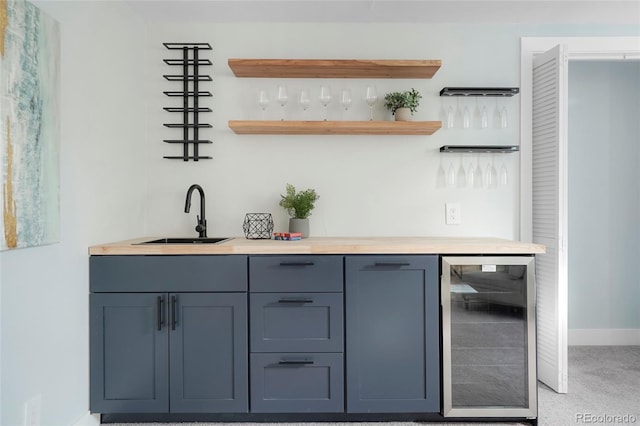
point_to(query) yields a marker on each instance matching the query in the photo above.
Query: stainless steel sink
(194, 240)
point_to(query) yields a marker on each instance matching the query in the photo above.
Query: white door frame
(578, 48)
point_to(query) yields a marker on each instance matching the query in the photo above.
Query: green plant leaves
(298, 204)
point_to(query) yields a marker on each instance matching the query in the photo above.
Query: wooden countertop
(326, 245)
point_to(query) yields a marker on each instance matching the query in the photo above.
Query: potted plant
(299, 206)
(403, 104)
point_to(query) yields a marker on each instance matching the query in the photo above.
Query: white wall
(604, 201)
(368, 185)
(44, 312)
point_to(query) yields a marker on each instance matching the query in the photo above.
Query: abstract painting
(29, 126)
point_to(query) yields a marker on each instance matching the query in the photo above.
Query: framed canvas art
(29, 126)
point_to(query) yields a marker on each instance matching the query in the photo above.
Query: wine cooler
(488, 337)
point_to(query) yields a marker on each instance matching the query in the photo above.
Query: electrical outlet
(453, 214)
(32, 411)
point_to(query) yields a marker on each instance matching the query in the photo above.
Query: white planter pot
(403, 114)
(299, 225)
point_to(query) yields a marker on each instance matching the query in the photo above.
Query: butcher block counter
(326, 245)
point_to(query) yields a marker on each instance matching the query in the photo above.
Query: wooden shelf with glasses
(334, 68)
(258, 127)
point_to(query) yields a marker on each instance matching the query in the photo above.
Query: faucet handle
(201, 227)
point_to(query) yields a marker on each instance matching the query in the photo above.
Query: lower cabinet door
(208, 351)
(297, 383)
(392, 334)
(128, 352)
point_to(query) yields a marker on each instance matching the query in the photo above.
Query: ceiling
(409, 11)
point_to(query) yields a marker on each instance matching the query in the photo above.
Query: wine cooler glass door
(488, 315)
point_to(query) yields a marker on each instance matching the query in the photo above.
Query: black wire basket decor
(258, 226)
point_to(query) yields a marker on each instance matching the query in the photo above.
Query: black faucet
(201, 227)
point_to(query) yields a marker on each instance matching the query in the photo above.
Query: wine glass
(345, 99)
(504, 175)
(500, 116)
(263, 100)
(503, 117)
(304, 99)
(491, 174)
(371, 97)
(325, 98)
(477, 114)
(484, 117)
(477, 175)
(283, 97)
(451, 117)
(466, 116)
(461, 176)
(451, 175)
(471, 178)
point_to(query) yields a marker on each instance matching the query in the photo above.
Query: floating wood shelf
(333, 68)
(244, 127)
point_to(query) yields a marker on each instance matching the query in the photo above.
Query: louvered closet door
(550, 213)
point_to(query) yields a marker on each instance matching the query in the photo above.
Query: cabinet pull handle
(396, 264)
(160, 316)
(295, 362)
(296, 264)
(295, 301)
(174, 319)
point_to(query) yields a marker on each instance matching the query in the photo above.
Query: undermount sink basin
(194, 240)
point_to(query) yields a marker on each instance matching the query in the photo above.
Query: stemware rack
(190, 62)
(479, 91)
(503, 149)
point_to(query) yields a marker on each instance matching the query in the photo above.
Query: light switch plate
(453, 214)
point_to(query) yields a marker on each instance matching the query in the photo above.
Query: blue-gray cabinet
(296, 334)
(128, 353)
(392, 333)
(296, 322)
(177, 352)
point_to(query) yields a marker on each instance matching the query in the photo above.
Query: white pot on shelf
(403, 114)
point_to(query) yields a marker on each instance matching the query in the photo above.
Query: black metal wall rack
(479, 91)
(190, 94)
(480, 148)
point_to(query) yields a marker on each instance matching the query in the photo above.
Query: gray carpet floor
(604, 388)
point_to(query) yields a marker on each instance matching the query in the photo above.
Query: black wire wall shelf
(182, 109)
(502, 149)
(190, 94)
(479, 91)
(180, 94)
(188, 125)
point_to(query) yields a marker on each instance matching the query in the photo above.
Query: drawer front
(159, 273)
(296, 273)
(296, 322)
(297, 383)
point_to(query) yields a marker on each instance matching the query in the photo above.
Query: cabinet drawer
(295, 273)
(296, 322)
(167, 273)
(297, 383)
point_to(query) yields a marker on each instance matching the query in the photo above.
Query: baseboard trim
(604, 337)
(88, 419)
